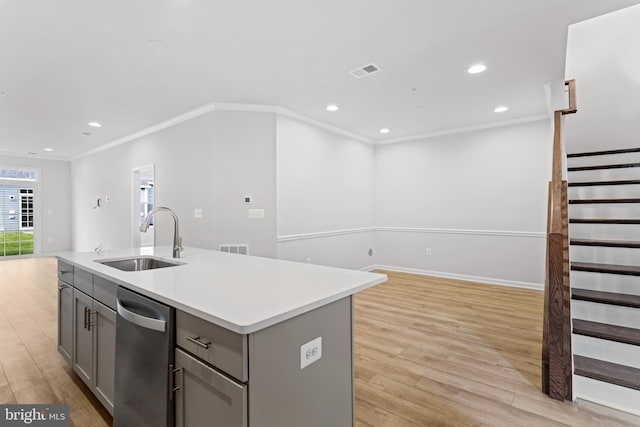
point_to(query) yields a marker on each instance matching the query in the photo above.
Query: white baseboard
(479, 279)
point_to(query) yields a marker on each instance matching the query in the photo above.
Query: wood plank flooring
(31, 370)
(428, 352)
(441, 352)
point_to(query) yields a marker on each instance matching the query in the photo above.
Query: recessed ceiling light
(501, 109)
(384, 130)
(86, 133)
(475, 69)
(332, 107)
(95, 124)
(48, 149)
(31, 153)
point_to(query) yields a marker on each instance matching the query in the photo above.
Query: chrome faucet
(177, 240)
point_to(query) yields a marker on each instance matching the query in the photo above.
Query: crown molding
(32, 156)
(265, 108)
(465, 129)
(311, 121)
(221, 106)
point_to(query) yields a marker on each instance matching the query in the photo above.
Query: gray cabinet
(223, 379)
(82, 357)
(94, 346)
(205, 397)
(65, 320)
(87, 329)
(104, 353)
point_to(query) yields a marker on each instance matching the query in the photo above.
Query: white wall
(205, 163)
(602, 55)
(325, 186)
(55, 200)
(477, 199)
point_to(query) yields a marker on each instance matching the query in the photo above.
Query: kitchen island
(258, 342)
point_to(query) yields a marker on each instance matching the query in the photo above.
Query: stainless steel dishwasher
(145, 338)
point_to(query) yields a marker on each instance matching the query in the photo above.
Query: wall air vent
(367, 70)
(235, 248)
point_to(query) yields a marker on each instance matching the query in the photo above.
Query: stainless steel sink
(138, 263)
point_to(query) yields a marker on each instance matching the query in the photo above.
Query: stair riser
(610, 159)
(606, 282)
(609, 351)
(605, 192)
(621, 398)
(603, 313)
(608, 210)
(604, 255)
(604, 175)
(605, 231)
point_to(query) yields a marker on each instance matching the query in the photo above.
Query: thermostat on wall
(247, 200)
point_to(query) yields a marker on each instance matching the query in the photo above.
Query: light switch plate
(310, 352)
(197, 213)
(256, 213)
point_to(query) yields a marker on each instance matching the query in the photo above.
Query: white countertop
(242, 293)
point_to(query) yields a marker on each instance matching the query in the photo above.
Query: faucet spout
(177, 240)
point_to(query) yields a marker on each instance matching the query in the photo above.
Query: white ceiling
(67, 62)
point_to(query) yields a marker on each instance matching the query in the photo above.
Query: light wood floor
(428, 352)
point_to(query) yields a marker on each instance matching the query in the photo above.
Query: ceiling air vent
(367, 70)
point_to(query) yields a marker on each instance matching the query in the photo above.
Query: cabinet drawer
(65, 272)
(83, 280)
(105, 291)
(222, 348)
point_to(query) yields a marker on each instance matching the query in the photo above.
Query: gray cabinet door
(82, 356)
(103, 326)
(65, 320)
(205, 397)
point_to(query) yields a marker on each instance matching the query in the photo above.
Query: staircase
(604, 233)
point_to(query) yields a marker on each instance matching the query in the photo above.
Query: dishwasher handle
(143, 321)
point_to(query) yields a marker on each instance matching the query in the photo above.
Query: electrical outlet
(256, 213)
(310, 352)
(429, 251)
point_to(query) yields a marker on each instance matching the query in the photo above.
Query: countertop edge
(240, 329)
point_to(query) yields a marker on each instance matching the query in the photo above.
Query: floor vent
(364, 71)
(235, 248)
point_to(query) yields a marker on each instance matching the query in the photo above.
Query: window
(26, 208)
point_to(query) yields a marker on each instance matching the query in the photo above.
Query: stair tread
(590, 201)
(607, 331)
(628, 270)
(598, 167)
(605, 152)
(603, 221)
(625, 376)
(602, 297)
(608, 243)
(596, 183)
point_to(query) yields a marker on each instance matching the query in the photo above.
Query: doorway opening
(143, 199)
(18, 218)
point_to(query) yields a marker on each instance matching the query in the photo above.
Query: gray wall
(602, 55)
(325, 187)
(476, 199)
(206, 163)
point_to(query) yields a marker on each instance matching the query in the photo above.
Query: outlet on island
(310, 352)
